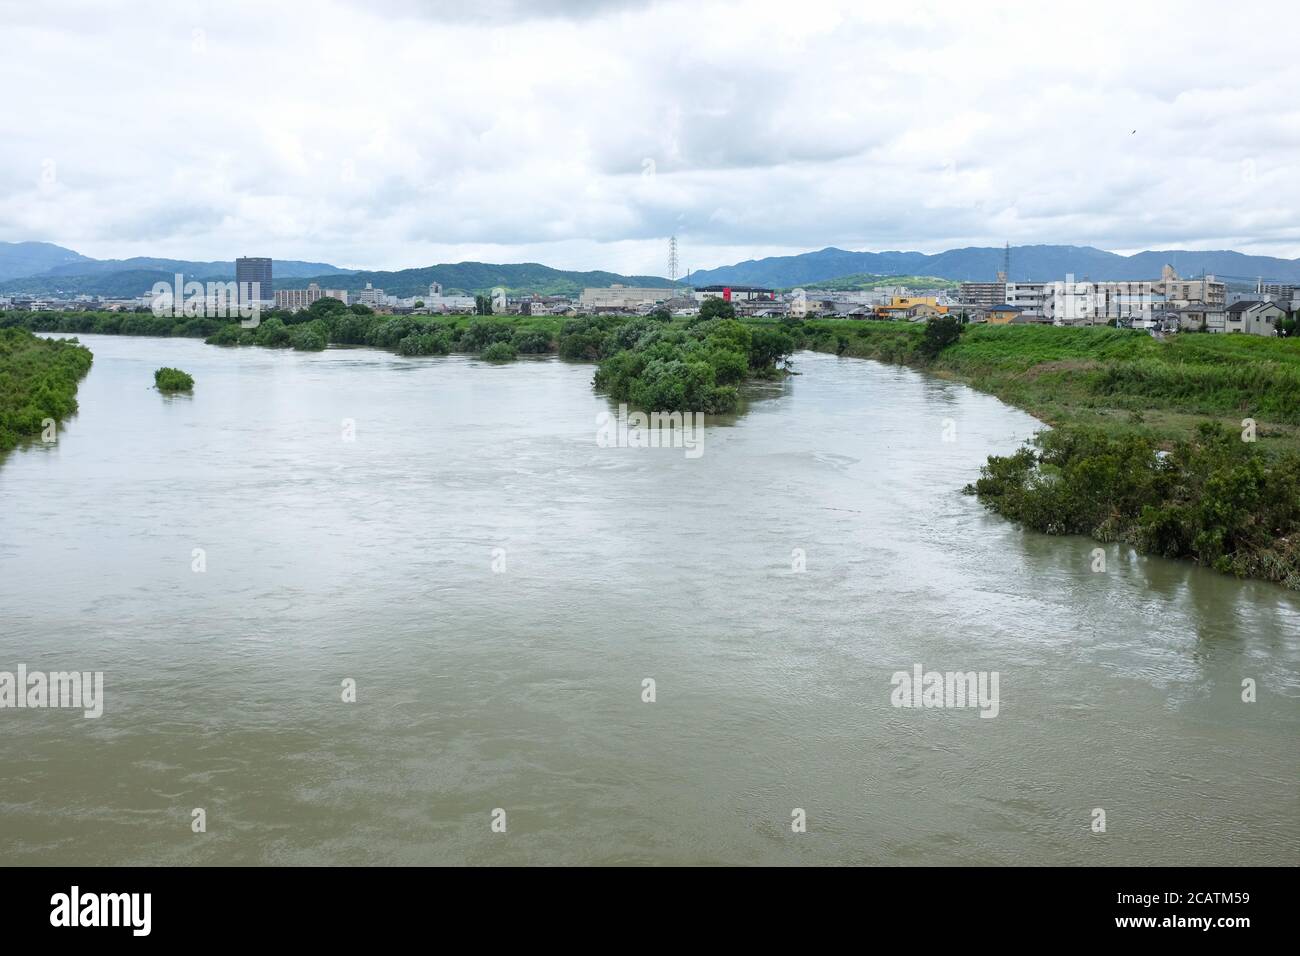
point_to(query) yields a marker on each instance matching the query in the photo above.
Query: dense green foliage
(111, 323)
(38, 381)
(499, 352)
(1214, 499)
(696, 368)
(173, 380)
(939, 333)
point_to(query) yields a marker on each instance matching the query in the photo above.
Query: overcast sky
(394, 133)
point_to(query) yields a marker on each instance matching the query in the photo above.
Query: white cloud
(402, 133)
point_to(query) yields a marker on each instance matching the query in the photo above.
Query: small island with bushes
(173, 380)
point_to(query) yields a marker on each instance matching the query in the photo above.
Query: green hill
(471, 278)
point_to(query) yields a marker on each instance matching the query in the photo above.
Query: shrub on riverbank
(499, 352)
(38, 381)
(425, 343)
(1214, 499)
(173, 380)
(311, 337)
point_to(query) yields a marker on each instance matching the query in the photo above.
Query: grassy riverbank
(1187, 447)
(1121, 381)
(38, 382)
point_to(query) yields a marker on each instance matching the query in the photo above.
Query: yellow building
(1002, 314)
(908, 301)
(913, 308)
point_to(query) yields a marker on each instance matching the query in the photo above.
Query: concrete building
(449, 303)
(1187, 291)
(1282, 293)
(1099, 303)
(983, 294)
(1029, 297)
(250, 270)
(623, 297)
(733, 293)
(371, 296)
(295, 300)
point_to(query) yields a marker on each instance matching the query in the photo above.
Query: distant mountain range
(44, 261)
(41, 268)
(19, 259)
(982, 264)
(475, 277)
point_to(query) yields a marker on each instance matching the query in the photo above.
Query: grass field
(1122, 380)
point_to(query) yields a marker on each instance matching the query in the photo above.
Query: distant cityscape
(1163, 305)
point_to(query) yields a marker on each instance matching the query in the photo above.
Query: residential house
(1002, 314)
(1254, 318)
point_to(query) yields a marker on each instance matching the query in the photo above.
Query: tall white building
(371, 296)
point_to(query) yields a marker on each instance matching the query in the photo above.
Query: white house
(1253, 318)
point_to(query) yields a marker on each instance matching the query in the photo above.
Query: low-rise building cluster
(1162, 306)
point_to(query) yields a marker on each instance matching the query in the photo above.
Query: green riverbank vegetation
(1186, 447)
(654, 362)
(38, 383)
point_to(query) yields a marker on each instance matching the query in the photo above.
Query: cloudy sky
(397, 133)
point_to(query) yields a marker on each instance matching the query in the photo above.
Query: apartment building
(1187, 291)
(983, 294)
(372, 297)
(295, 300)
(1098, 303)
(1029, 297)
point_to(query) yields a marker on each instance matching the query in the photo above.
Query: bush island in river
(38, 381)
(684, 369)
(173, 380)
